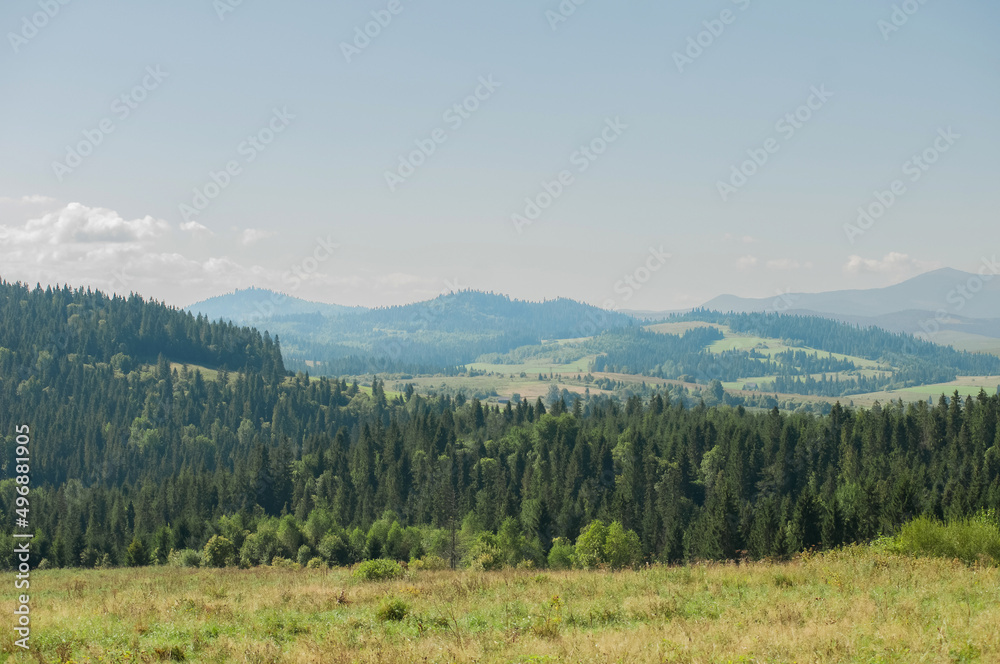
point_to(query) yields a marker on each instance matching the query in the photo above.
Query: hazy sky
(116, 115)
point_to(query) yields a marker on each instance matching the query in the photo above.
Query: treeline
(437, 335)
(686, 357)
(163, 460)
(872, 343)
(39, 325)
(909, 361)
(131, 459)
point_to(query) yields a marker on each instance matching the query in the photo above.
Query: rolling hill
(903, 305)
(259, 305)
(430, 336)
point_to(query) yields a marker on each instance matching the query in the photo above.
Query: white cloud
(893, 263)
(77, 225)
(195, 227)
(90, 246)
(747, 262)
(81, 245)
(251, 235)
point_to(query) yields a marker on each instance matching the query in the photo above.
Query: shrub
(621, 547)
(280, 562)
(970, 540)
(378, 570)
(219, 552)
(589, 552)
(317, 563)
(184, 558)
(333, 550)
(485, 555)
(137, 554)
(305, 554)
(259, 548)
(393, 610)
(561, 554)
(429, 562)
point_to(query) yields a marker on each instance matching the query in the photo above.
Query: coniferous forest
(137, 454)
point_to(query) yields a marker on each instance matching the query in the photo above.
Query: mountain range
(940, 304)
(947, 305)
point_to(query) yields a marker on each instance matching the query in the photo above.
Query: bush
(137, 554)
(333, 550)
(561, 554)
(259, 548)
(429, 562)
(305, 554)
(378, 570)
(317, 563)
(622, 548)
(219, 552)
(485, 555)
(279, 562)
(589, 552)
(393, 610)
(184, 558)
(969, 540)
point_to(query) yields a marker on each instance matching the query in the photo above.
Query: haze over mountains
(944, 300)
(450, 330)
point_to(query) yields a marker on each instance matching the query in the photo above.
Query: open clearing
(854, 605)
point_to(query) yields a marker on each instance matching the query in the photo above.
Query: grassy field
(855, 605)
(975, 343)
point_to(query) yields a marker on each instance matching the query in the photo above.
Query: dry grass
(856, 605)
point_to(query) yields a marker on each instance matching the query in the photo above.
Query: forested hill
(129, 463)
(256, 306)
(39, 327)
(432, 336)
(872, 343)
(477, 312)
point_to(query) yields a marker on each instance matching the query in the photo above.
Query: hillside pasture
(856, 605)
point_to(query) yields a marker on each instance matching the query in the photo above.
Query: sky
(632, 154)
